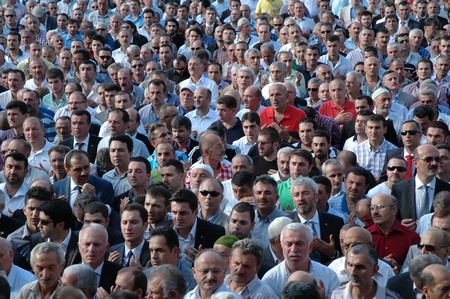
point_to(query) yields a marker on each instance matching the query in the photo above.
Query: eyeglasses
(410, 132)
(105, 57)
(196, 49)
(9, 16)
(45, 222)
(137, 65)
(313, 89)
(101, 29)
(399, 168)
(430, 159)
(325, 31)
(278, 25)
(165, 134)
(212, 193)
(428, 247)
(403, 41)
(380, 207)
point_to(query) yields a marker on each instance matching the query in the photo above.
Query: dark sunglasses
(313, 89)
(428, 247)
(212, 193)
(45, 222)
(278, 25)
(137, 65)
(399, 168)
(195, 49)
(430, 159)
(326, 31)
(101, 29)
(403, 41)
(105, 57)
(410, 132)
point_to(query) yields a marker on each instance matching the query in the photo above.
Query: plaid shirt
(224, 172)
(49, 124)
(332, 127)
(372, 159)
(41, 38)
(424, 53)
(220, 55)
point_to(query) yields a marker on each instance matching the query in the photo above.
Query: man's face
(243, 80)
(265, 197)
(277, 95)
(46, 226)
(164, 152)
(298, 166)
(195, 67)
(6, 257)
(15, 82)
(80, 126)
(296, 248)
(306, 132)
(441, 223)
(198, 175)
(311, 57)
(435, 136)
(254, 60)
(251, 129)
(359, 270)
(93, 246)
(132, 226)
(442, 66)
(265, 146)
(183, 216)
(15, 118)
(156, 208)
(15, 171)
(444, 164)
(156, 95)
(320, 147)
(360, 124)
(375, 131)
(355, 186)
(116, 125)
(186, 99)
(382, 210)
(119, 154)
(31, 211)
(210, 202)
(47, 269)
(201, 99)
(209, 272)
(424, 71)
(122, 101)
(160, 253)
(171, 178)
(437, 246)
(124, 79)
(57, 163)
(226, 115)
(243, 267)
(276, 73)
(396, 170)
(95, 218)
(214, 73)
(79, 170)
(31, 99)
(338, 92)
(240, 225)
(304, 199)
(424, 168)
(137, 174)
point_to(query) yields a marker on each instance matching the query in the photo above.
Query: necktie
(129, 255)
(409, 159)
(425, 209)
(311, 225)
(315, 254)
(80, 145)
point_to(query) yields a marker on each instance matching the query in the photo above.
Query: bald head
(302, 276)
(355, 235)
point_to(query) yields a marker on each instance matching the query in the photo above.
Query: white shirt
(121, 57)
(384, 272)
(207, 83)
(85, 142)
(379, 189)
(30, 84)
(278, 275)
(41, 157)
(136, 251)
(17, 202)
(243, 144)
(139, 148)
(17, 278)
(188, 242)
(73, 192)
(195, 293)
(343, 66)
(245, 110)
(200, 124)
(5, 98)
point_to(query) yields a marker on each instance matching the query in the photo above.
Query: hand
(124, 202)
(391, 260)
(115, 257)
(272, 171)
(63, 197)
(191, 253)
(41, 167)
(248, 199)
(102, 293)
(321, 289)
(283, 131)
(338, 75)
(352, 218)
(328, 249)
(195, 134)
(186, 165)
(409, 223)
(264, 80)
(88, 189)
(343, 117)
(298, 78)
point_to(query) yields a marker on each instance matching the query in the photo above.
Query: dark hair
(359, 171)
(82, 52)
(55, 73)
(112, 86)
(181, 121)
(424, 111)
(309, 120)
(38, 193)
(125, 115)
(19, 105)
(81, 113)
(158, 82)
(185, 196)
(300, 290)
(229, 101)
(175, 163)
(378, 118)
(72, 154)
(159, 191)
(17, 157)
(243, 178)
(96, 207)
(271, 133)
(58, 211)
(169, 234)
(304, 154)
(323, 180)
(136, 207)
(252, 117)
(244, 207)
(266, 180)
(140, 159)
(13, 71)
(5, 289)
(139, 278)
(123, 139)
(440, 125)
(323, 133)
(368, 99)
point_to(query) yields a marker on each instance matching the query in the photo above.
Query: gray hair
(357, 76)
(428, 92)
(132, 48)
(249, 246)
(441, 203)
(97, 227)
(87, 279)
(428, 83)
(247, 70)
(54, 37)
(415, 30)
(47, 247)
(363, 248)
(420, 262)
(298, 227)
(267, 46)
(316, 80)
(333, 161)
(416, 124)
(440, 234)
(246, 157)
(303, 180)
(251, 51)
(115, 66)
(285, 150)
(394, 45)
(172, 280)
(279, 64)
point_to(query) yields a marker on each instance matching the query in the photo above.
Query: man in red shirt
(392, 239)
(340, 108)
(283, 117)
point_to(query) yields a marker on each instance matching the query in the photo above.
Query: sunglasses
(45, 222)
(326, 31)
(9, 16)
(195, 49)
(428, 247)
(212, 193)
(313, 89)
(105, 57)
(430, 159)
(410, 132)
(399, 168)
(403, 41)
(277, 25)
(137, 65)
(101, 29)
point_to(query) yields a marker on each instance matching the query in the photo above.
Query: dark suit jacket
(8, 225)
(92, 146)
(405, 192)
(348, 130)
(267, 263)
(72, 248)
(395, 153)
(103, 188)
(402, 284)
(145, 140)
(329, 225)
(52, 23)
(145, 254)
(207, 233)
(109, 273)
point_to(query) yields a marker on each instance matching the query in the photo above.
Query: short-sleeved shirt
(291, 118)
(330, 109)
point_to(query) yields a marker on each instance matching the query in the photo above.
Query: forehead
(210, 185)
(396, 162)
(240, 216)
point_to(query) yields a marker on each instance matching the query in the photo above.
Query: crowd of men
(227, 149)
